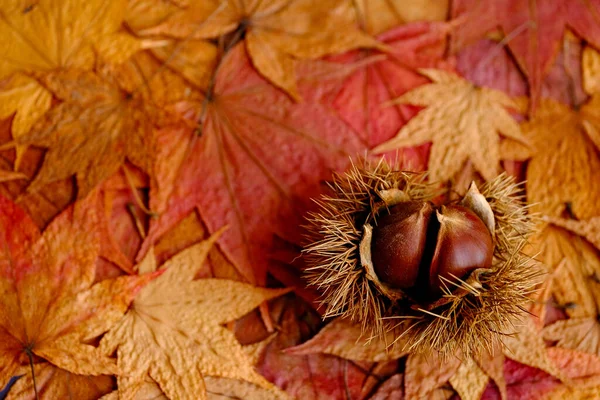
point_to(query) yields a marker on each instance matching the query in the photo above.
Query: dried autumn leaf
(314, 376)
(426, 373)
(575, 265)
(173, 332)
(591, 70)
(10, 175)
(345, 339)
(389, 75)
(535, 29)
(469, 380)
(575, 333)
(377, 16)
(259, 159)
(589, 229)
(486, 63)
(564, 161)
(527, 347)
(463, 122)
(48, 35)
(103, 119)
(49, 308)
(275, 32)
(24, 96)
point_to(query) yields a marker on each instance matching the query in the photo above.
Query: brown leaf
(180, 319)
(463, 122)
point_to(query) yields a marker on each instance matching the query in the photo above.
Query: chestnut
(398, 243)
(463, 244)
(413, 250)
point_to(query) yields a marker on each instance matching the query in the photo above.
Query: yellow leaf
(377, 16)
(194, 59)
(590, 64)
(564, 164)
(174, 332)
(24, 96)
(463, 122)
(51, 34)
(574, 264)
(469, 381)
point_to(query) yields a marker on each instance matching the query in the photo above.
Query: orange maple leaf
(173, 332)
(50, 309)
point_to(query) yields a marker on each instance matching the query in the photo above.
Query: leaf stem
(30, 356)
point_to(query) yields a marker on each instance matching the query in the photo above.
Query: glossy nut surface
(463, 244)
(399, 243)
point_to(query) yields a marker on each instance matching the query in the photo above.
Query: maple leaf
(180, 319)
(463, 122)
(258, 161)
(275, 33)
(49, 308)
(377, 16)
(535, 29)
(109, 115)
(359, 101)
(564, 161)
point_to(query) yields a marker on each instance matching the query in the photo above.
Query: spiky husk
(472, 315)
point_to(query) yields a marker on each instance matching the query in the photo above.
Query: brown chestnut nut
(464, 243)
(399, 242)
(413, 250)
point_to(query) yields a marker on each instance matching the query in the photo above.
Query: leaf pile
(157, 159)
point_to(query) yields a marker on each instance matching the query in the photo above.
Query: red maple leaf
(255, 165)
(535, 29)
